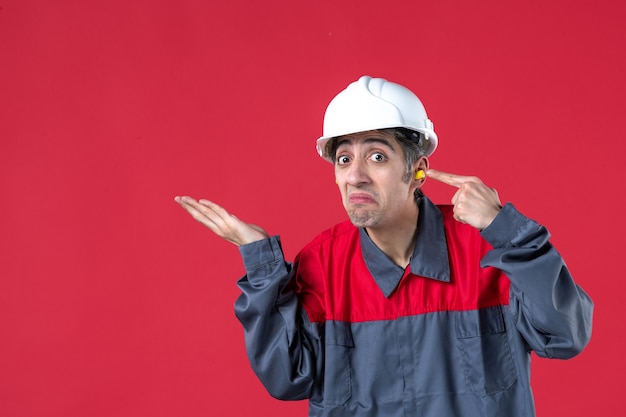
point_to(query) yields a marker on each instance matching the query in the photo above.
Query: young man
(408, 309)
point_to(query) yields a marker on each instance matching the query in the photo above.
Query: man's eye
(343, 160)
(378, 157)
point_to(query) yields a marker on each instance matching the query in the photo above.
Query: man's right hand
(221, 222)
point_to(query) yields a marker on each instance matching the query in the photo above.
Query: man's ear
(419, 171)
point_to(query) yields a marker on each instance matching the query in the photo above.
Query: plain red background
(114, 302)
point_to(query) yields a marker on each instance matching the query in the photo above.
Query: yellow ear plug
(420, 174)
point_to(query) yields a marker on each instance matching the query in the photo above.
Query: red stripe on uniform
(338, 286)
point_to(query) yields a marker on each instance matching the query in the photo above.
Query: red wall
(113, 302)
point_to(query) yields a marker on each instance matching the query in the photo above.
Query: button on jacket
(450, 335)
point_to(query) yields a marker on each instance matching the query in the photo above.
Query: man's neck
(397, 241)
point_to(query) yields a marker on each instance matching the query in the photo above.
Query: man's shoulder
(339, 234)
(455, 230)
(447, 210)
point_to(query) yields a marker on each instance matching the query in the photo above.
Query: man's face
(369, 169)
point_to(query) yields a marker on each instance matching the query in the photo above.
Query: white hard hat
(375, 103)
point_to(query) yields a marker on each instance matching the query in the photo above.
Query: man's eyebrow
(382, 141)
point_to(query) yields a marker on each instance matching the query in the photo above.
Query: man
(408, 309)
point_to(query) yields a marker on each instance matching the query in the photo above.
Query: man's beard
(363, 218)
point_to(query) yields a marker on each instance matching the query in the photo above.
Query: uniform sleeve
(283, 346)
(553, 314)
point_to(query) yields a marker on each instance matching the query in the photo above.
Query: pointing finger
(448, 178)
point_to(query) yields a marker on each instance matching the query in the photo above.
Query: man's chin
(361, 219)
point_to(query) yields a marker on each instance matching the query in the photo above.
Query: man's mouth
(360, 198)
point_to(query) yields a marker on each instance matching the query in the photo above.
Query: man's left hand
(474, 202)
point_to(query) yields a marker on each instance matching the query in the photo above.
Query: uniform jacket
(450, 335)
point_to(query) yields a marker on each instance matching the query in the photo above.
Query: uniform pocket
(337, 368)
(485, 351)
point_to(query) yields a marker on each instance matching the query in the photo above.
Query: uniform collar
(430, 256)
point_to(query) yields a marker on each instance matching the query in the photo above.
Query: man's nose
(357, 173)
